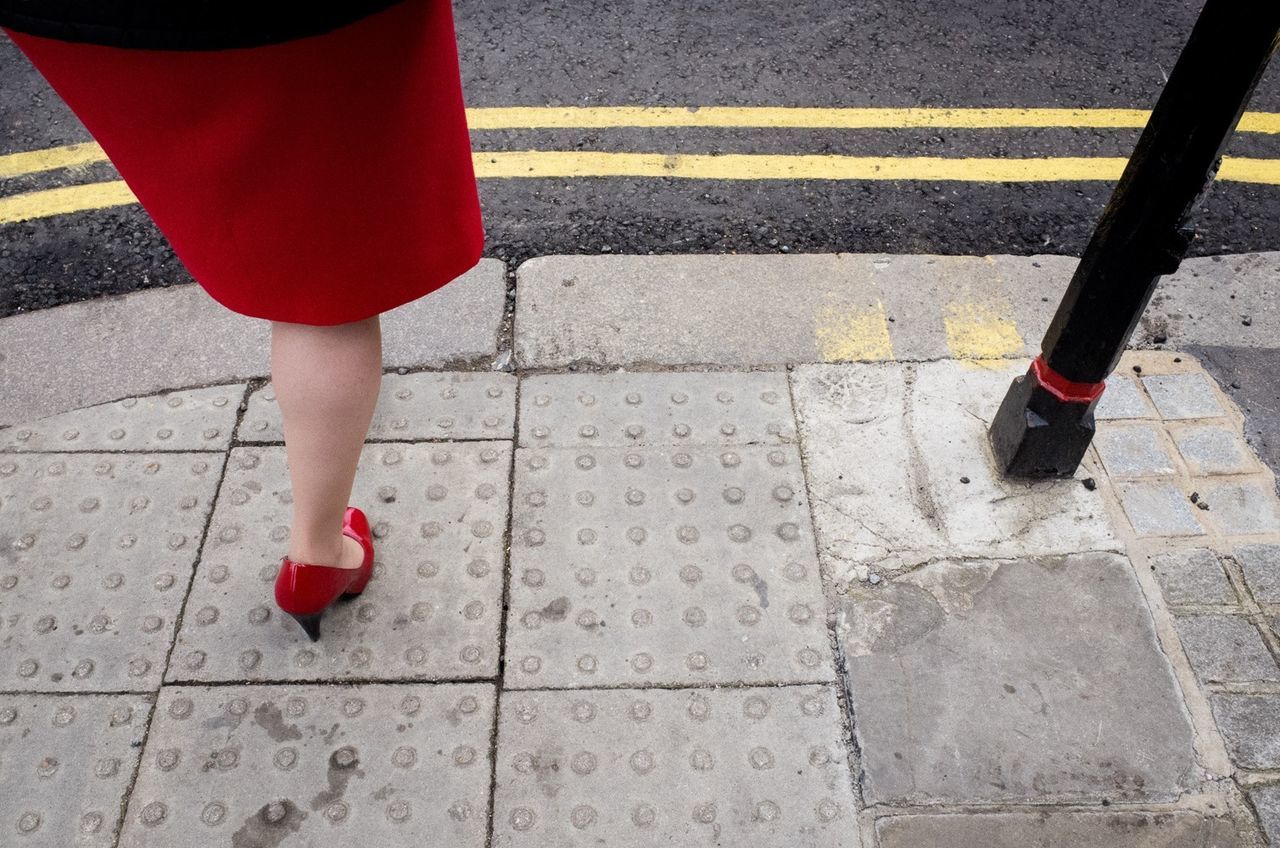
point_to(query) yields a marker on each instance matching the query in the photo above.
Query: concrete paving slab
(1242, 509)
(1074, 828)
(190, 420)
(1248, 724)
(722, 310)
(1123, 400)
(95, 554)
(159, 339)
(1133, 450)
(900, 470)
(1261, 567)
(414, 407)
(431, 610)
(1035, 707)
(630, 768)
(1225, 649)
(1251, 377)
(663, 566)
(1159, 509)
(1192, 576)
(1213, 449)
(1179, 396)
(1266, 800)
(1219, 300)
(671, 408)
(66, 763)
(315, 765)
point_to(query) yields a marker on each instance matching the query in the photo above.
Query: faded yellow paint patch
(847, 333)
(58, 201)
(983, 330)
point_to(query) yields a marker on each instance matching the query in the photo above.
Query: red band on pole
(1062, 388)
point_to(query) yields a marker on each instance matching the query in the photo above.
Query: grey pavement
(689, 605)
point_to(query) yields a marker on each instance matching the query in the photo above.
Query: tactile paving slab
(432, 609)
(684, 408)
(663, 566)
(641, 767)
(413, 407)
(95, 554)
(193, 419)
(65, 765)
(315, 765)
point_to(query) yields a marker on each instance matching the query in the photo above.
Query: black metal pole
(1045, 423)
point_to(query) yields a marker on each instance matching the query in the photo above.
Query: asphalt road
(831, 53)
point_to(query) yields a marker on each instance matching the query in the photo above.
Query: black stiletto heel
(311, 624)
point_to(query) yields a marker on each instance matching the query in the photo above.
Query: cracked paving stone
(1192, 577)
(315, 765)
(663, 565)
(95, 554)
(763, 767)
(1226, 649)
(1037, 708)
(65, 765)
(431, 611)
(680, 408)
(1248, 724)
(187, 420)
(411, 407)
(900, 470)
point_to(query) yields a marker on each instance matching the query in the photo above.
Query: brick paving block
(1179, 396)
(1067, 828)
(1225, 649)
(65, 764)
(628, 768)
(431, 611)
(412, 407)
(900, 470)
(663, 566)
(1261, 567)
(1158, 509)
(1192, 577)
(1133, 451)
(1213, 450)
(315, 765)
(1122, 399)
(187, 420)
(985, 663)
(1248, 724)
(1241, 509)
(678, 408)
(95, 554)
(1266, 800)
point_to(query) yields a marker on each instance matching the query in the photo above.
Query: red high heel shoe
(305, 591)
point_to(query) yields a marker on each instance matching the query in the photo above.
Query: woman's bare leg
(326, 381)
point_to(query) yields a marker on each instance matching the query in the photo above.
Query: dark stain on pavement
(343, 764)
(268, 827)
(556, 610)
(269, 717)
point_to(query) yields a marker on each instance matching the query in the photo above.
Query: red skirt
(317, 181)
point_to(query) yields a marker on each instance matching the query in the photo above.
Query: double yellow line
(734, 166)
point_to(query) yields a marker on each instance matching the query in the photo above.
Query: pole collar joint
(1067, 391)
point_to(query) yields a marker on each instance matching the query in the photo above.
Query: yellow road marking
(35, 161)
(786, 117)
(569, 164)
(59, 201)
(846, 334)
(982, 331)
(799, 117)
